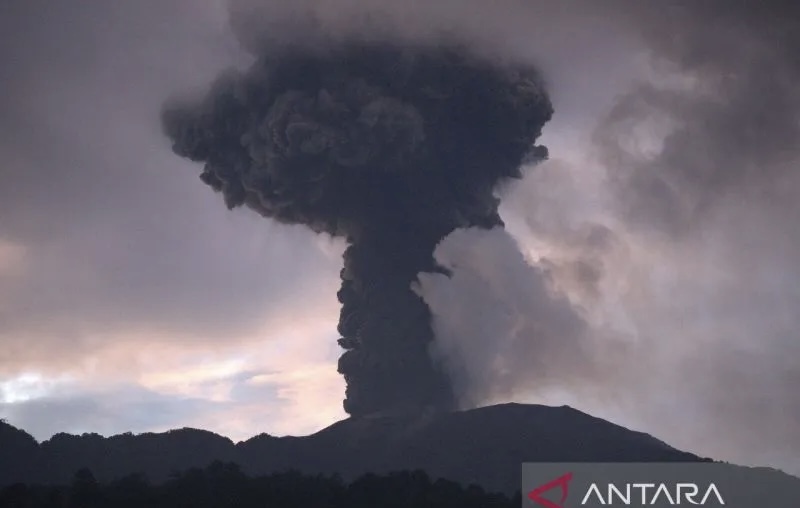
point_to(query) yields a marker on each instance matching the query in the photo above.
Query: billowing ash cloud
(390, 146)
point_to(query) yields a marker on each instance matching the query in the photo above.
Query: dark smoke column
(389, 147)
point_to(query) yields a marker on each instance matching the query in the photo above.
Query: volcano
(483, 446)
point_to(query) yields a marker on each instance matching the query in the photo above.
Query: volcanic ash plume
(391, 148)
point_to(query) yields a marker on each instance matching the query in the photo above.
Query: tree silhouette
(223, 485)
(85, 491)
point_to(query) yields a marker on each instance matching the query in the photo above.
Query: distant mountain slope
(483, 446)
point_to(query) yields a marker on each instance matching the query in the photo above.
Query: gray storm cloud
(721, 184)
(726, 102)
(101, 255)
(701, 164)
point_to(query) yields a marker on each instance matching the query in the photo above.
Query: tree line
(224, 485)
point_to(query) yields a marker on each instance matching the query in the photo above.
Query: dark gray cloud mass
(391, 146)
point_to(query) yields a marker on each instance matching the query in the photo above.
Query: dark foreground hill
(482, 446)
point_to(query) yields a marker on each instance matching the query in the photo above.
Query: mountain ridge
(482, 446)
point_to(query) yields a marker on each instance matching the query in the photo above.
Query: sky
(647, 273)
